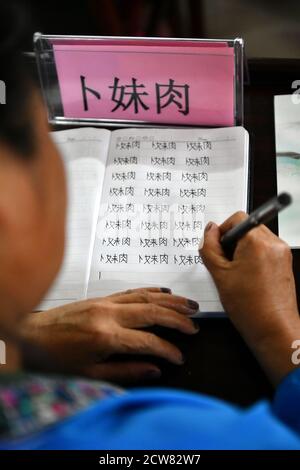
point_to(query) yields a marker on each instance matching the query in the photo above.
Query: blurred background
(271, 28)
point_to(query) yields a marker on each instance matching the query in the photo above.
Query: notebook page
(161, 188)
(84, 153)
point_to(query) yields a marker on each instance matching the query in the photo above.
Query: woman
(41, 412)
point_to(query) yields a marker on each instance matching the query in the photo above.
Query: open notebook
(139, 200)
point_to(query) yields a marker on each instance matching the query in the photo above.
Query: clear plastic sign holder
(141, 82)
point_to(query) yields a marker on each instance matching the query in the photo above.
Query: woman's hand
(84, 335)
(257, 290)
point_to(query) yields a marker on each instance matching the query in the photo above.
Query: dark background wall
(271, 28)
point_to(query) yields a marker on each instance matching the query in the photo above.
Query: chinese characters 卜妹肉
(135, 96)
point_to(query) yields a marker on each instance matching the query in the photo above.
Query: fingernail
(166, 290)
(193, 305)
(196, 325)
(153, 374)
(201, 243)
(208, 226)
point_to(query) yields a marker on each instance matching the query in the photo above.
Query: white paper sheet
(84, 153)
(198, 175)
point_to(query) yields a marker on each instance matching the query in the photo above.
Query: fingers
(166, 290)
(233, 220)
(141, 342)
(254, 236)
(211, 251)
(123, 372)
(174, 302)
(141, 316)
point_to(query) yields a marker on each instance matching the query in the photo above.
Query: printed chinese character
(124, 99)
(166, 94)
(86, 89)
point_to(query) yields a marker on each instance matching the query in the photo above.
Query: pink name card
(168, 82)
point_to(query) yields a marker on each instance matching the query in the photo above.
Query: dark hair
(16, 128)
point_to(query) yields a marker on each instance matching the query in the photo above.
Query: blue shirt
(166, 419)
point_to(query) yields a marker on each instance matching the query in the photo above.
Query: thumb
(211, 251)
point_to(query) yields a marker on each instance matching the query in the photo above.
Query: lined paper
(84, 153)
(161, 188)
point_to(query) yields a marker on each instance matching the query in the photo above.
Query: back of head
(32, 184)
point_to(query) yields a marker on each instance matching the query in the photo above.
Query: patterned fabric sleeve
(29, 403)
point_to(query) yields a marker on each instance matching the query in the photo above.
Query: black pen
(261, 215)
